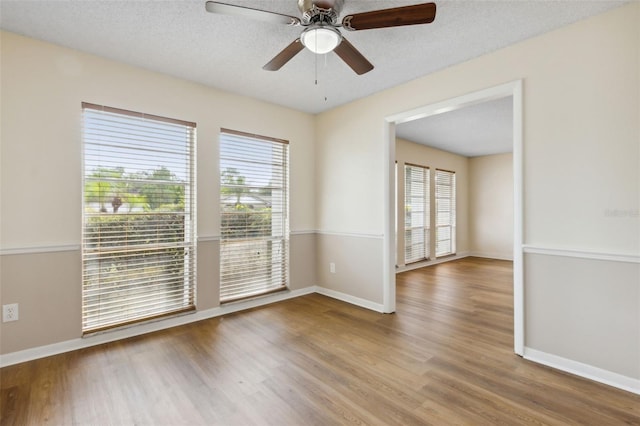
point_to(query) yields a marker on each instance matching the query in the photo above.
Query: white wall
(581, 178)
(491, 206)
(413, 153)
(484, 198)
(593, 316)
(42, 87)
(581, 169)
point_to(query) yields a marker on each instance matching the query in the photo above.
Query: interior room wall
(484, 199)
(42, 88)
(581, 180)
(491, 206)
(581, 177)
(421, 155)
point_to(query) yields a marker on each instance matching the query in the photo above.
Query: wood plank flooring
(444, 358)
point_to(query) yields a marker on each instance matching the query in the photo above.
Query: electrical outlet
(10, 312)
(332, 268)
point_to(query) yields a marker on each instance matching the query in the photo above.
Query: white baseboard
(418, 265)
(363, 303)
(497, 256)
(144, 328)
(162, 324)
(584, 370)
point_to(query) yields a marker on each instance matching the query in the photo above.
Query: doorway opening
(513, 90)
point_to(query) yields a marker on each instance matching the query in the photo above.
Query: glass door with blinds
(416, 213)
(254, 215)
(138, 244)
(445, 195)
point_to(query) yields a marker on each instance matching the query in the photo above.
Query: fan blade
(247, 12)
(284, 56)
(394, 17)
(352, 57)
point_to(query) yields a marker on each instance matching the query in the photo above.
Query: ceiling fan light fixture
(321, 39)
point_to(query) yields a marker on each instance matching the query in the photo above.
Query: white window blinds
(254, 214)
(138, 240)
(445, 213)
(416, 210)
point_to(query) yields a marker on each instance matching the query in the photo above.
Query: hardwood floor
(444, 358)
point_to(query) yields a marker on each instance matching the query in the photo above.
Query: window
(416, 211)
(254, 215)
(138, 239)
(445, 213)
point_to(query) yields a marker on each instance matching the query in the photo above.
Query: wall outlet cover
(10, 312)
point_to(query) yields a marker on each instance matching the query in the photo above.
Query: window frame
(442, 210)
(254, 272)
(425, 229)
(157, 279)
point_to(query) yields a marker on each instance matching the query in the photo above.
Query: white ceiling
(181, 39)
(481, 129)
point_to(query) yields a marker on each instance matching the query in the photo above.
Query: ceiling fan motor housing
(320, 11)
(322, 33)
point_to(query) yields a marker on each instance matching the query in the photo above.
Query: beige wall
(42, 87)
(580, 116)
(358, 265)
(484, 198)
(581, 162)
(47, 288)
(581, 175)
(491, 206)
(593, 317)
(413, 153)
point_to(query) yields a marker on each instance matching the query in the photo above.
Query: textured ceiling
(481, 129)
(180, 38)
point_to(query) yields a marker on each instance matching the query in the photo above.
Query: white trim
(584, 370)
(581, 254)
(461, 255)
(148, 327)
(209, 238)
(39, 249)
(304, 232)
(518, 217)
(436, 261)
(350, 299)
(470, 99)
(389, 250)
(497, 256)
(351, 234)
(8, 251)
(514, 89)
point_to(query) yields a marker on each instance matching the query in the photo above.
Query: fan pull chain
(326, 72)
(324, 89)
(316, 60)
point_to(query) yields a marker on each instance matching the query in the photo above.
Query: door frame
(514, 89)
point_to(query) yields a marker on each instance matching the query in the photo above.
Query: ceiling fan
(322, 35)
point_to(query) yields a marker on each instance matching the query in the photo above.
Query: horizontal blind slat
(254, 215)
(445, 212)
(417, 213)
(139, 216)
